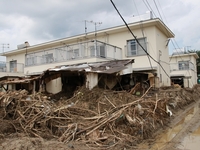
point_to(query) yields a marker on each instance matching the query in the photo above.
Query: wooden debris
(98, 118)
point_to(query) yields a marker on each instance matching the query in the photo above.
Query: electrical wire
(141, 27)
(157, 9)
(137, 39)
(148, 6)
(162, 12)
(174, 45)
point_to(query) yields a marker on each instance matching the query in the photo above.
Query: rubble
(99, 117)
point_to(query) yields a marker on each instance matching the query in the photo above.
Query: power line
(146, 5)
(162, 12)
(167, 32)
(141, 27)
(149, 6)
(157, 9)
(137, 39)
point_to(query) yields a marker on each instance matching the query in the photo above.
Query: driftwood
(98, 118)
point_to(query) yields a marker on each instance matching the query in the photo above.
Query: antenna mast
(4, 46)
(86, 25)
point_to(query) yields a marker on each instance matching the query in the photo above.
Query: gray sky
(38, 21)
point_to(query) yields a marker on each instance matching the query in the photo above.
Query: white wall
(162, 57)
(19, 57)
(54, 86)
(91, 80)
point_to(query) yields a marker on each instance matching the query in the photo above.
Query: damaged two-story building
(115, 46)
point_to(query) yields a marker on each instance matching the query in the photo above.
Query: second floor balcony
(76, 51)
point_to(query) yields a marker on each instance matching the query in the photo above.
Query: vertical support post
(33, 92)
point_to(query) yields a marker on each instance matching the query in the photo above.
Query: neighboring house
(115, 43)
(183, 70)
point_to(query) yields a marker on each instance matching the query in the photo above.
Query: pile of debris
(98, 117)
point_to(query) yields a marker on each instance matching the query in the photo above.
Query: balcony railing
(11, 67)
(182, 66)
(77, 51)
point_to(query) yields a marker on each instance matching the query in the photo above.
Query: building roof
(184, 55)
(105, 67)
(64, 41)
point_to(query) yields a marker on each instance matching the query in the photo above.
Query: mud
(182, 133)
(191, 141)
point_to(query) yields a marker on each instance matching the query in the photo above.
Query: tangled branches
(100, 118)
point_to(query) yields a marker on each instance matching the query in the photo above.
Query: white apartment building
(183, 70)
(115, 43)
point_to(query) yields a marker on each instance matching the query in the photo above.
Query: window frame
(134, 49)
(184, 65)
(47, 58)
(100, 50)
(73, 53)
(31, 60)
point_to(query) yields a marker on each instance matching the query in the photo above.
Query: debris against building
(113, 75)
(99, 118)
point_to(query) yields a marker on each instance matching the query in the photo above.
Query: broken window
(134, 49)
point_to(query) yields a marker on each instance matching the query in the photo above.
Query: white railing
(11, 67)
(77, 51)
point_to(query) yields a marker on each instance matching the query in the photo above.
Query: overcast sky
(38, 21)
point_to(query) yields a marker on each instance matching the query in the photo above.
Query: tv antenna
(86, 25)
(4, 46)
(95, 24)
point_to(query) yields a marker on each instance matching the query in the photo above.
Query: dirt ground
(187, 127)
(96, 119)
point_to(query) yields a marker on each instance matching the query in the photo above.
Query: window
(48, 58)
(31, 60)
(92, 51)
(13, 66)
(101, 52)
(183, 65)
(71, 54)
(134, 49)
